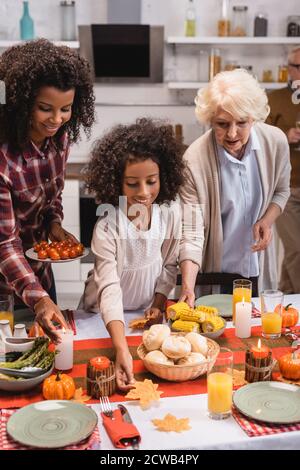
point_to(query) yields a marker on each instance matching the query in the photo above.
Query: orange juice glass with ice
(7, 309)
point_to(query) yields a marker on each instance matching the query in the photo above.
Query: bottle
(260, 25)
(224, 23)
(214, 63)
(26, 23)
(190, 20)
(68, 20)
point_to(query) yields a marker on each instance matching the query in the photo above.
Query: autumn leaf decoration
(80, 397)
(171, 423)
(145, 391)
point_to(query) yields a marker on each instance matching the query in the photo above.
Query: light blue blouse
(241, 200)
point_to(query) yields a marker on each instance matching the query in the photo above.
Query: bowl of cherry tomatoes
(65, 250)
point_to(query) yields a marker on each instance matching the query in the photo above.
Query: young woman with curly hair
(49, 98)
(135, 173)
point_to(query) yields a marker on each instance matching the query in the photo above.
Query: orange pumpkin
(289, 366)
(290, 315)
(58, 387)
(36, 330)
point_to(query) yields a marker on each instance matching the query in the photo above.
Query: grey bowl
(22, 385)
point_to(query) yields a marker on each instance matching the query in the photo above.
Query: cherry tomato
(64, 253)
(42, 254)
(72, 253)
(36, 247)
(78, 250)
(54, 255)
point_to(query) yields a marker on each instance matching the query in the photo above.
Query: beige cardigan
(102, 289)
(202, 186)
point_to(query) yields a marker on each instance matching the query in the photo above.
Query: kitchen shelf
(232, 40)
(196, 85)
(4, 44)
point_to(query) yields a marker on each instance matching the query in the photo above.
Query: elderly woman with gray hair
(236, 185)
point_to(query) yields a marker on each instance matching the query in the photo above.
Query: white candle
(243, 312)
(64, 354)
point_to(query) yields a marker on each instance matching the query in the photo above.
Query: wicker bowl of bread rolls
(177, 356)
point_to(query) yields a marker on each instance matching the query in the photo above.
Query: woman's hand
(187, 295)
(153, 315)
(262, 234)
(46, 312)
(59, 234)
(124, 370)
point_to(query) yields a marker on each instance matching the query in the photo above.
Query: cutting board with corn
(201, 319)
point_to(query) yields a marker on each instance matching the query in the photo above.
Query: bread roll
(154, 337)
(176, 347)
(193, 358)
(159, 358)
(198, 342)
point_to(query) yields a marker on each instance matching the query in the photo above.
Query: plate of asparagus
(27, 370)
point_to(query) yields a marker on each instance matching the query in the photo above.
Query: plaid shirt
(31, 185)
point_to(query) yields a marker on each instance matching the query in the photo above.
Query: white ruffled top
(142, 261)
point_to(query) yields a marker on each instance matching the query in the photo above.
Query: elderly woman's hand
(187, 295)
(262, 234)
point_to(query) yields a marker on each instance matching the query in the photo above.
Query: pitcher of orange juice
(7, 309)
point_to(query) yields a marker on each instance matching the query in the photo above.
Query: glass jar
(293, 26)
(267, 76)
(283, 74)
(239, 20)
(68, 20)
(214, 63)
(224, 23)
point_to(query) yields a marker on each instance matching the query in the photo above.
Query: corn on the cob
(192, 315)
(206, 309)
(175, 310)
(181, 325)
(212, 324)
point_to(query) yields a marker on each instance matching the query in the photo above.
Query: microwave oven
(123, 53)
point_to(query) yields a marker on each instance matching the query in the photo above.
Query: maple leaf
(171, 423)
(145, 391)
(79, 396)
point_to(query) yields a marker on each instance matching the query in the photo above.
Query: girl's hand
(46, 312)
(187, 295)
(59, 234)
(124, 370)
(153, 315)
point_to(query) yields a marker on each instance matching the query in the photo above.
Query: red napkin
(7, 443)
(120, 432)
(255, 429)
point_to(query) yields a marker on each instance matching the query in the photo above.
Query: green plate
(271, 402)
(52, 424)
(223, 302)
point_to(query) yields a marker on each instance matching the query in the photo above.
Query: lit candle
(100, 362)
(243, 319)
(260, 351)
(64, 355)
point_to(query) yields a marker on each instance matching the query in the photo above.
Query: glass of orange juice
(7, 309)
(219, 386)
(242, 292)
(271, 313)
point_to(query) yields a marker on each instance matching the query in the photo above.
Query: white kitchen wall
(124, 103)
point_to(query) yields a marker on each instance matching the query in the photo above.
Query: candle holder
(101, 377)
(258, 369)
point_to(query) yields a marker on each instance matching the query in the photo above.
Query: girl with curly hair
(135, 173)
(49, 98)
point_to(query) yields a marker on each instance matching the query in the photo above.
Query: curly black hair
(146, 138)
(28, 67)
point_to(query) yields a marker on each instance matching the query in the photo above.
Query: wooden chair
(222, 279)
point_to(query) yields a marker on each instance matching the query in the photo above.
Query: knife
(126, 416)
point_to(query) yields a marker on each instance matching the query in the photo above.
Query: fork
(106, 407)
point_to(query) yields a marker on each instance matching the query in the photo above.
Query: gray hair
(236, 92)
